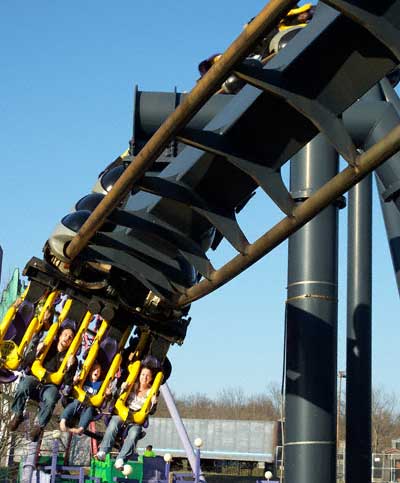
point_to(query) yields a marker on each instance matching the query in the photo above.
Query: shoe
(15, 421)
(101, 455)
(63, 426)
(119, 464)
(36, 431)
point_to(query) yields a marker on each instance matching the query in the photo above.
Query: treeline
(234, 403)
(231, 403)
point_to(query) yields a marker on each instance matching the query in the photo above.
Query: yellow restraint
(97, 399)
(14, 358)
(126, 414)
(295, 11)
(37, 367)
(8, 318)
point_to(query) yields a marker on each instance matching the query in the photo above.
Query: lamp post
(268, 475)
(198, 442)
(56, 435)
(167, 459)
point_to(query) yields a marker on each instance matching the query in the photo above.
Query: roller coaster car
(132, 261)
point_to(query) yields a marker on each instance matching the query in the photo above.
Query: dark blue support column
(311, 318)
(358, 364)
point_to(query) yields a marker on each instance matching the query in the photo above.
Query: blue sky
(68, 70)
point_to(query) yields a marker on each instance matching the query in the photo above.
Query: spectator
(148, 452)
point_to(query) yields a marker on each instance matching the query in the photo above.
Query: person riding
(46, 394)
(135, 402)
(91, 386)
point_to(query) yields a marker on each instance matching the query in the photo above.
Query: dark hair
(67, 327)
(152, 369)
(68, 324)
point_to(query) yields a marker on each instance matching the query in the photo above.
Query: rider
(47, 394)
(91, 387)
(135, 401)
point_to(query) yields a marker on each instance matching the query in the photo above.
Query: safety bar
(14, 360)
(9, 317)
(126, 414)
(38, 369)
(78, 391)
(138, 352)
(97, 399)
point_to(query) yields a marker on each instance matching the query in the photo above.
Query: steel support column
(358, 364)
(187, 445)
(311, 318)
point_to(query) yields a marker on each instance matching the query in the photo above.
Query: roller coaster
(133, 252)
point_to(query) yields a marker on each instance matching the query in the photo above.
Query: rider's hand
(71, 361)
(39, 348)
(18, 302)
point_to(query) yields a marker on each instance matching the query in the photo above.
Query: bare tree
(385, 419)
(230, 403)
(9, 441)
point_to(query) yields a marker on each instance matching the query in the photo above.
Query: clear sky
(68, 70)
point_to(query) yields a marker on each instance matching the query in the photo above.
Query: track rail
(199, 95)
(196, 159)
(331, 191)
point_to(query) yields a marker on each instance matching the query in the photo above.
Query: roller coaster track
(152, 229)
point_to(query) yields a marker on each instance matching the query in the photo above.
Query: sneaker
(36, 432)
(15, 421)
(101, 455)
(63, 426)
(119, 464)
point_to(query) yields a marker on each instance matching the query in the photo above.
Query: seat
(38, 370)
(22, 329)
(106, 349)
(121, 408)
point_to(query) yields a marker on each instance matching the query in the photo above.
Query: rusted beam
(304, 212)
(193, 102)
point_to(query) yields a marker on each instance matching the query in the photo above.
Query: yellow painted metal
(8, 351)
(9, 317)
(34, 327)
(37, 367)
(57, 377)
(144, 337)
(78, 391)
(97, 399)
(120, 406)
(123, 411)
(296, 11)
